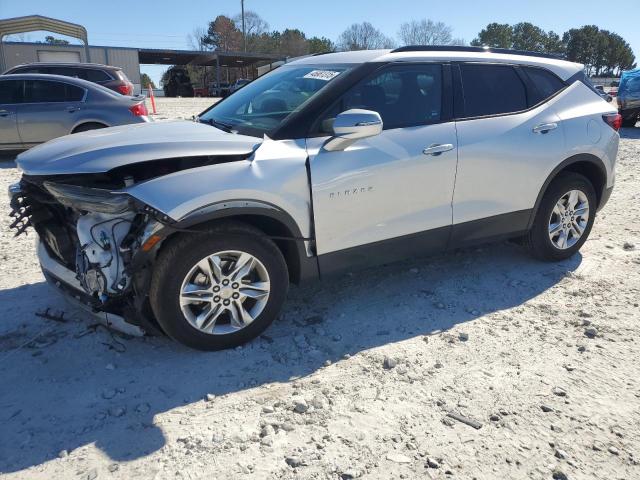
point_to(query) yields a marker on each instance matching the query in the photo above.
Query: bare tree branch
(194, 39)
(363, 36)
(425, 32)
(253, 23)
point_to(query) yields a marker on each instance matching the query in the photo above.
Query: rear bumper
(65, 282)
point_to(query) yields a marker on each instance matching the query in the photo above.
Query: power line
(101, 34)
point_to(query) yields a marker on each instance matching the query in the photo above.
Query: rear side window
(582, 77)
(41, 91)
(120, 74)
(94, 75)
(11, 91)
(546, 84)
(27, 70)
(492, 90)
(65, 71)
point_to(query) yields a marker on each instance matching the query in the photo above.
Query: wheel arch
(586, 164)
(275, 223)
(88, 122)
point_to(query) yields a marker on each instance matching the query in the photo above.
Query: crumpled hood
(104, 149)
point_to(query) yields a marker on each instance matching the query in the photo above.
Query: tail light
(614, 120)
(125, 89)
(139, 110)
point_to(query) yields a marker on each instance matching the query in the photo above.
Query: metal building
(129, 59)
(32, 23)
(17, 53)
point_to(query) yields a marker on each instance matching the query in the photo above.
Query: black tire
(184, 252)
(629, 122)
(185, 91)
(85, 127)
(538, 239)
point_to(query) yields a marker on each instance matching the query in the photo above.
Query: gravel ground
(358, 377)
(177, 108)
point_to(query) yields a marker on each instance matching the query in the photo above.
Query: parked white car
(195, 229)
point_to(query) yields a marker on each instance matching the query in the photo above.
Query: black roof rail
(453, 48)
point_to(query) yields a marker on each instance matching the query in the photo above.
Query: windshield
(262, 105)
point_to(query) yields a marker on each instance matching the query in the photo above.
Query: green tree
(497, 35)
(222, 34)
(320, 45)
(521, 36)
(618, 55)
(145, 80)
(267, 42)
(601, 51)
(293, 43)
(554, 43)
(529, 37)
(582, 45)
(51, 40)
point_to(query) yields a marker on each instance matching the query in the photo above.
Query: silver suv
(331, 162)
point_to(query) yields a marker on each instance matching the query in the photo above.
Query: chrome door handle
(545, 127)
(437, 148)
(5, 113)
(72, 109)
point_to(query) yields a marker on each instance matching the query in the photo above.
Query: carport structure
(214, 58)
(33, 23)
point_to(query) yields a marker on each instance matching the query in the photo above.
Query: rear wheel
(219, 289)
(564, 219)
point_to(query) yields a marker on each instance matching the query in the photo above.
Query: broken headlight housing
(90, 199)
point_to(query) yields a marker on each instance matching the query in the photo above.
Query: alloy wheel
(224, 292)
(569, 219)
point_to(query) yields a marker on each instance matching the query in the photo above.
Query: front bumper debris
(65, 281)
(21, 210)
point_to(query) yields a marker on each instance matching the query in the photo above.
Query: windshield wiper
(225, 127)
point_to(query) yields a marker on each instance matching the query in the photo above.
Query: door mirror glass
(353, 125)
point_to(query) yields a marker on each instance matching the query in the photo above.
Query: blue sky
(166, 23)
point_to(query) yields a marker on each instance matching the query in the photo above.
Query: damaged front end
(94, 242)
(84, 196)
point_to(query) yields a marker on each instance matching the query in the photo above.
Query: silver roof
(563, 68)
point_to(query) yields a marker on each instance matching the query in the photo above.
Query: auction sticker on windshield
(322, 74)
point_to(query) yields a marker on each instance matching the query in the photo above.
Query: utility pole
(244, 32)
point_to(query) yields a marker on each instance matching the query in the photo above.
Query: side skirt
(490, 229)
(385, 251)
(426, 243)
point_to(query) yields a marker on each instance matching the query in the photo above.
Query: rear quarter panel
(100, 108)
(580, 111)
(503, 166)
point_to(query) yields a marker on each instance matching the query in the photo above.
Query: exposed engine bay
(90, 224)
(100, 253)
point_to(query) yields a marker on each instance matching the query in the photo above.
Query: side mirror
(353, 125)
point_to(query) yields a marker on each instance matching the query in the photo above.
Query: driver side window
(403, 95)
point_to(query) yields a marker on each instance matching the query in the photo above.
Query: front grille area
(20, 210)
(32, 206)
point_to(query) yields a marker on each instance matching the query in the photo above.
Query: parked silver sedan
(35, 108)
